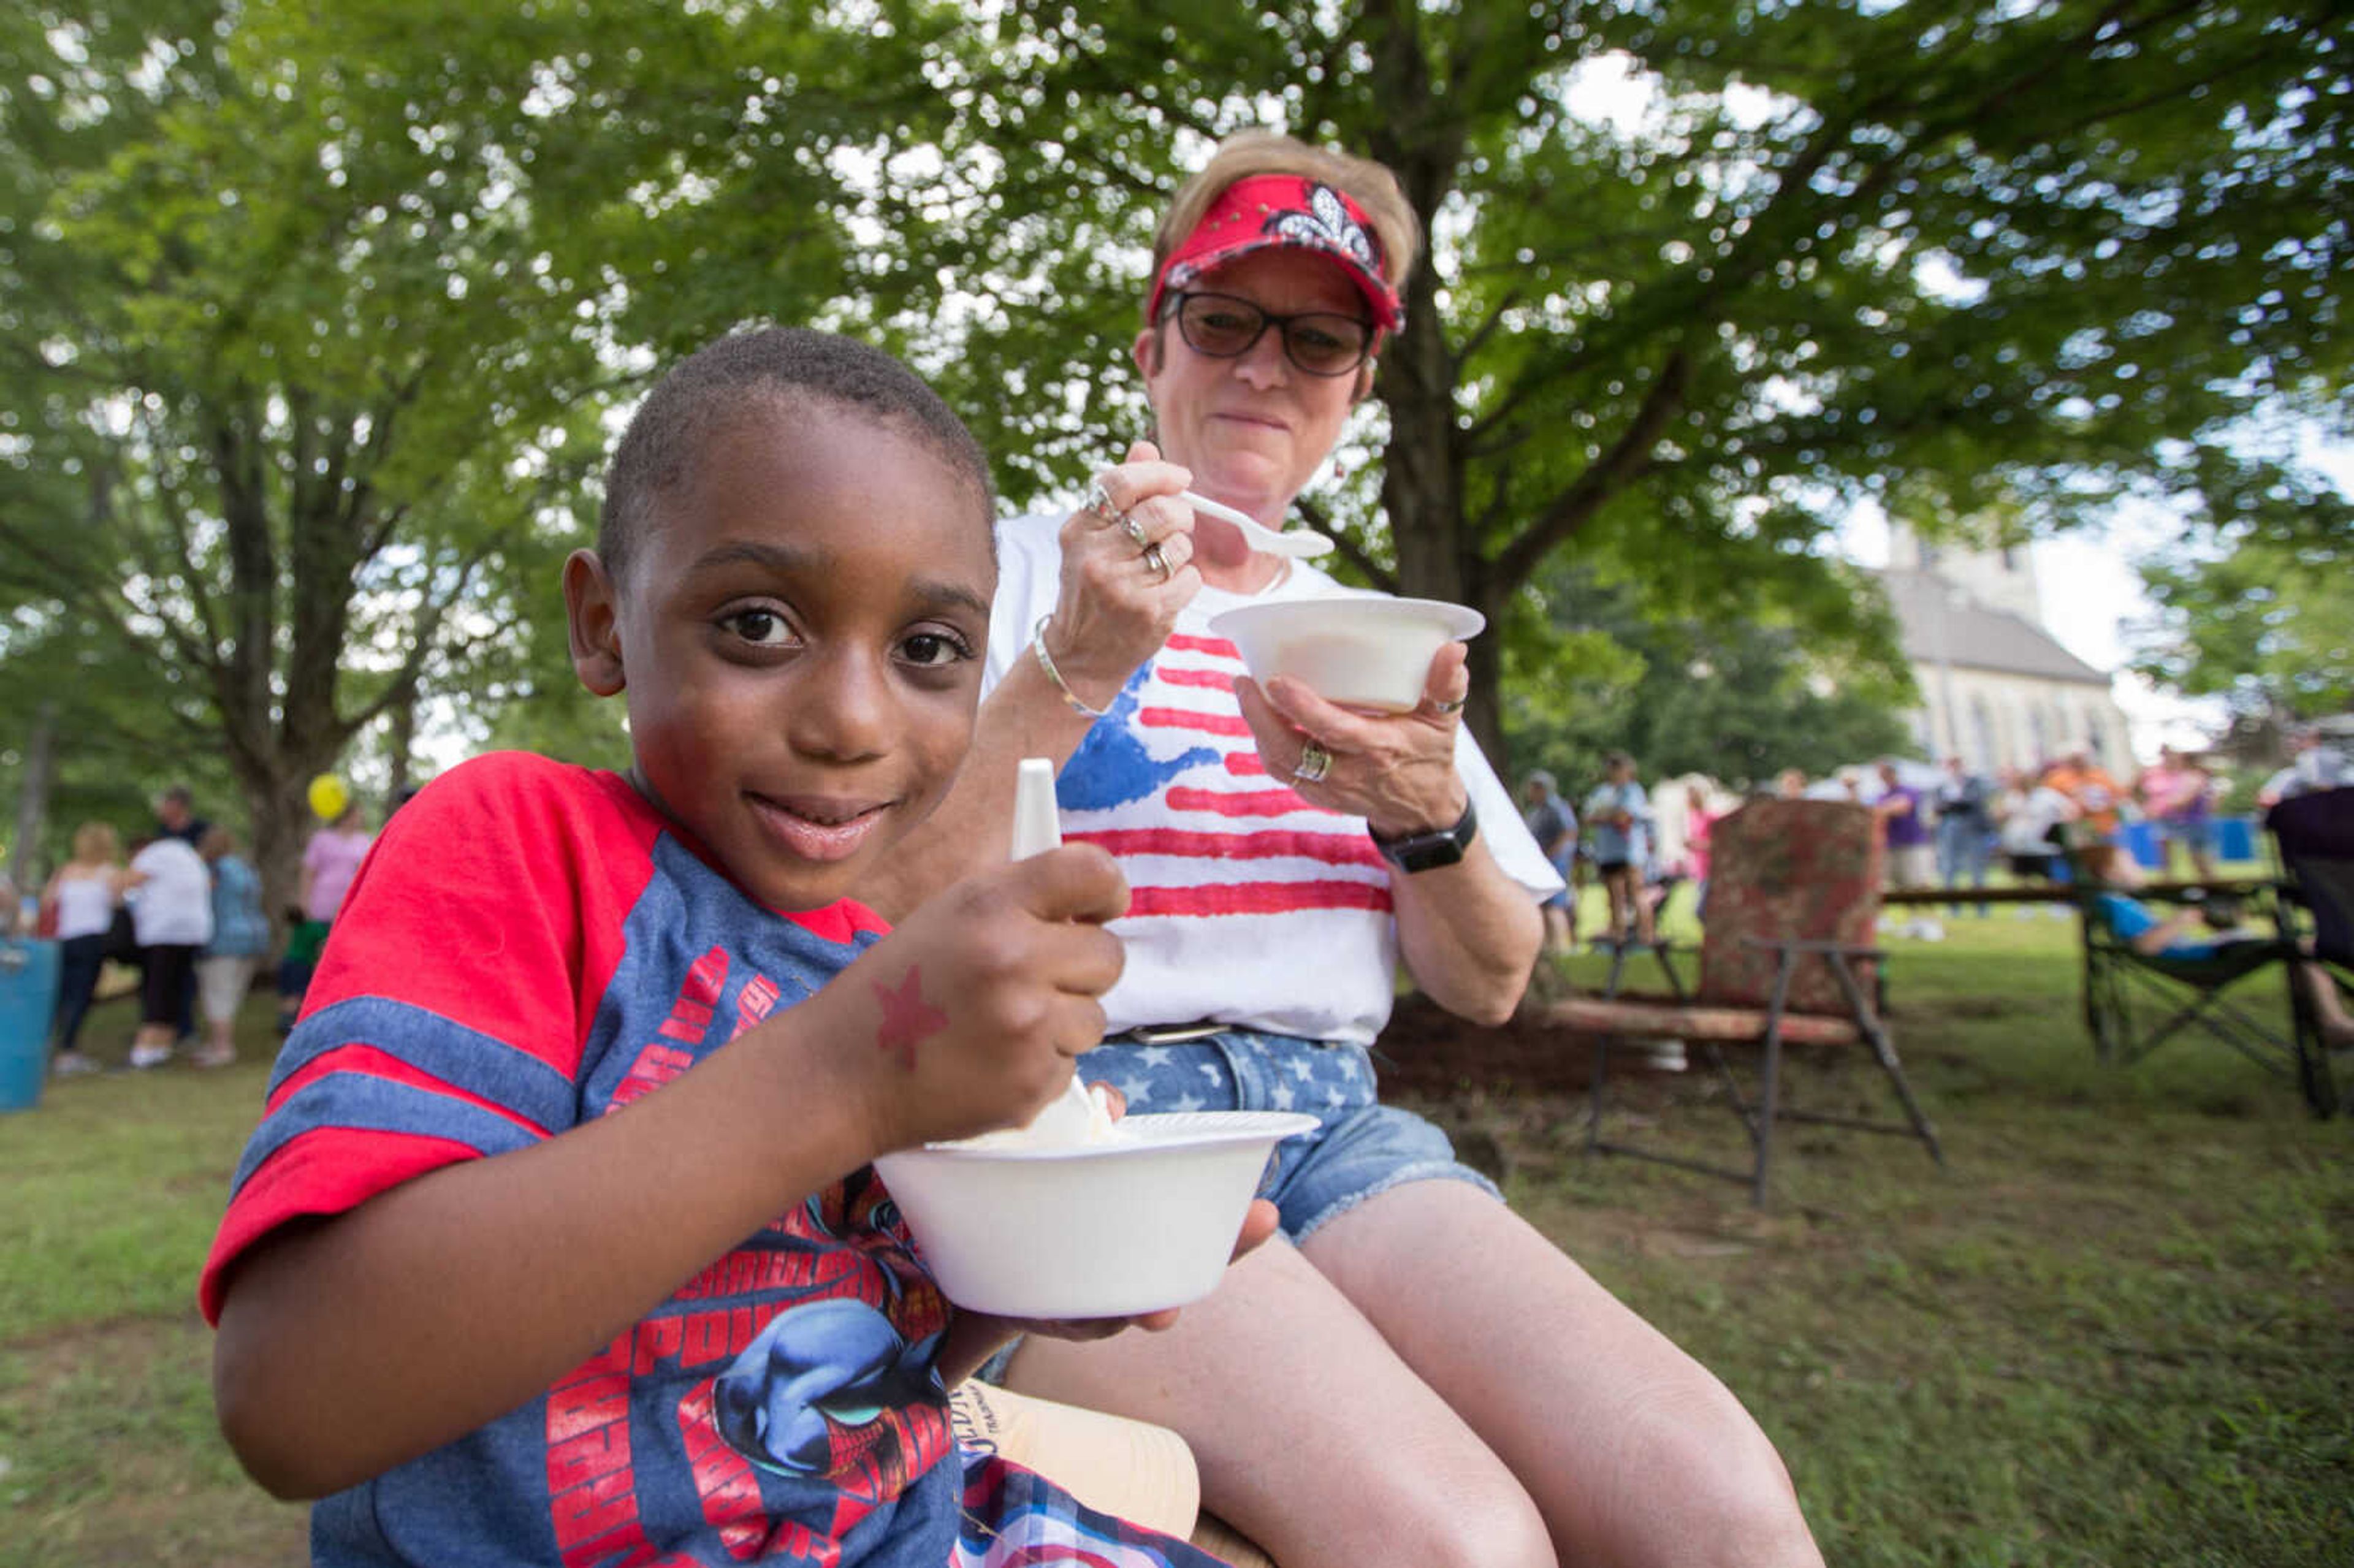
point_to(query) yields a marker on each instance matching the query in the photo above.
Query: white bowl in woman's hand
(1362, 651)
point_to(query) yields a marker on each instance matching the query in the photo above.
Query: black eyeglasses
(1321, 343)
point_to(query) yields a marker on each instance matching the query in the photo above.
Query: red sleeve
(459, 981)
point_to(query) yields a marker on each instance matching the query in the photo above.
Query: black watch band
(1422, 851)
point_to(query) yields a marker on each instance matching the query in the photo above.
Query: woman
(241, 936)
(329, 860)
(1699, 821)
(80, 899)
(172, 911)
(1619, 813)
(2176, 796)
(1413, 1374)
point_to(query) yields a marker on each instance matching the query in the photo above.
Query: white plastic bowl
(1364, 651)
(1102, 1230)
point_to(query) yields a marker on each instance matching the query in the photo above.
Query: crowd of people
(184, 911)
(1943, 829)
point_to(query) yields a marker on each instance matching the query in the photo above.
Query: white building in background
(1999, 689)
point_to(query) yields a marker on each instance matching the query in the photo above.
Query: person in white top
(1412, 1373)
(172, 912)
(81, 898)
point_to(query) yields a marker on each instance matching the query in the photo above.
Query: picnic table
(2176, 891)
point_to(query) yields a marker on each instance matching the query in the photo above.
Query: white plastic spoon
(1302, 542)
(1037, 828)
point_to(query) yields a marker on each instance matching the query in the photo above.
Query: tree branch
(1605, 477)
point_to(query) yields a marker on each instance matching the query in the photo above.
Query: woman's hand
(1126, 571)
(1395, 771)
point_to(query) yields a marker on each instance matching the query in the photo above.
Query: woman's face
(1252, 428)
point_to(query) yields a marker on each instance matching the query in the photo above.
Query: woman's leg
(1312, 1438)
(1634, 1453)
(1617, 885)
(1335, 1437)
(164, 974)
(78, 961)
(221, 983)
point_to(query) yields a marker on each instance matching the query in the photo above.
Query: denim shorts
(1361, 1149)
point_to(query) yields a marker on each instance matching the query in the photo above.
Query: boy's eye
(763, 627)
(933, 650)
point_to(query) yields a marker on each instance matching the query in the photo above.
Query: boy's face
(800, 634)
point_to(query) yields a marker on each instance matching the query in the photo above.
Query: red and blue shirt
(530, 945)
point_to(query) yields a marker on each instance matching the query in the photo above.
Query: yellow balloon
(329, 796)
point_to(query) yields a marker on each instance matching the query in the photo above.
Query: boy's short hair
(719, 383)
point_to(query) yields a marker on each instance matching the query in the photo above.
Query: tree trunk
(282, 826)
(32, 807)
(400, 741)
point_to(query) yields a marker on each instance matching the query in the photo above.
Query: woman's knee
(1732, 1493)
(1440, 1522)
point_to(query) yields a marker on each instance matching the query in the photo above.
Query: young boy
(559, 1241)
(1620, 816)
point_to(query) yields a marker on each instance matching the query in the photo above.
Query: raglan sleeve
(1516, 849)
(446, 1018)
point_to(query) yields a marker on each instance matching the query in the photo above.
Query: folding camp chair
(2135, 1002)
(2314, 835)
(1794, 891)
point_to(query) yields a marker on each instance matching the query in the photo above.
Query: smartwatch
(1422, 851)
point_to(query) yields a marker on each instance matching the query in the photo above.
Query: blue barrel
(2236, 838)
(28, 998)
(2140, 840)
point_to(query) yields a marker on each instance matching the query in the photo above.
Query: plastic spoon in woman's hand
(1298, 542)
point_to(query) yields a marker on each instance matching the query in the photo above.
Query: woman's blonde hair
(1259, 151)
(96, 841)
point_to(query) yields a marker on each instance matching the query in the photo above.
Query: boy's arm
(352, 1344)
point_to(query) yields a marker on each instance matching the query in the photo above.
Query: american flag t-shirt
(1247, 904)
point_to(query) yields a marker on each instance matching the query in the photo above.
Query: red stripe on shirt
(1258, 898)
(1336, 849)
(1248, 803)
(324, 1171)
(1214, 680)
(1187, 719)
(1216, 647)
(1245, 764)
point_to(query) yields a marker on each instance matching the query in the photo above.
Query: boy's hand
(966, 1018)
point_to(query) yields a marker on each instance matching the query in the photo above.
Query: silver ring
(1315, 762)
(1157, 562)
(1136, 531)
(1096, 503)
(1449, 705)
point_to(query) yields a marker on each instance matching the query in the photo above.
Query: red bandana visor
(1266, 210)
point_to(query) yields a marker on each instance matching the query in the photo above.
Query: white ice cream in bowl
(1079, 1215)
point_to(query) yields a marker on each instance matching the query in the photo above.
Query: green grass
(108, 1449)
(2114, 1331)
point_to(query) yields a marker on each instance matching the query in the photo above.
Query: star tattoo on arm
(908, 1018)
